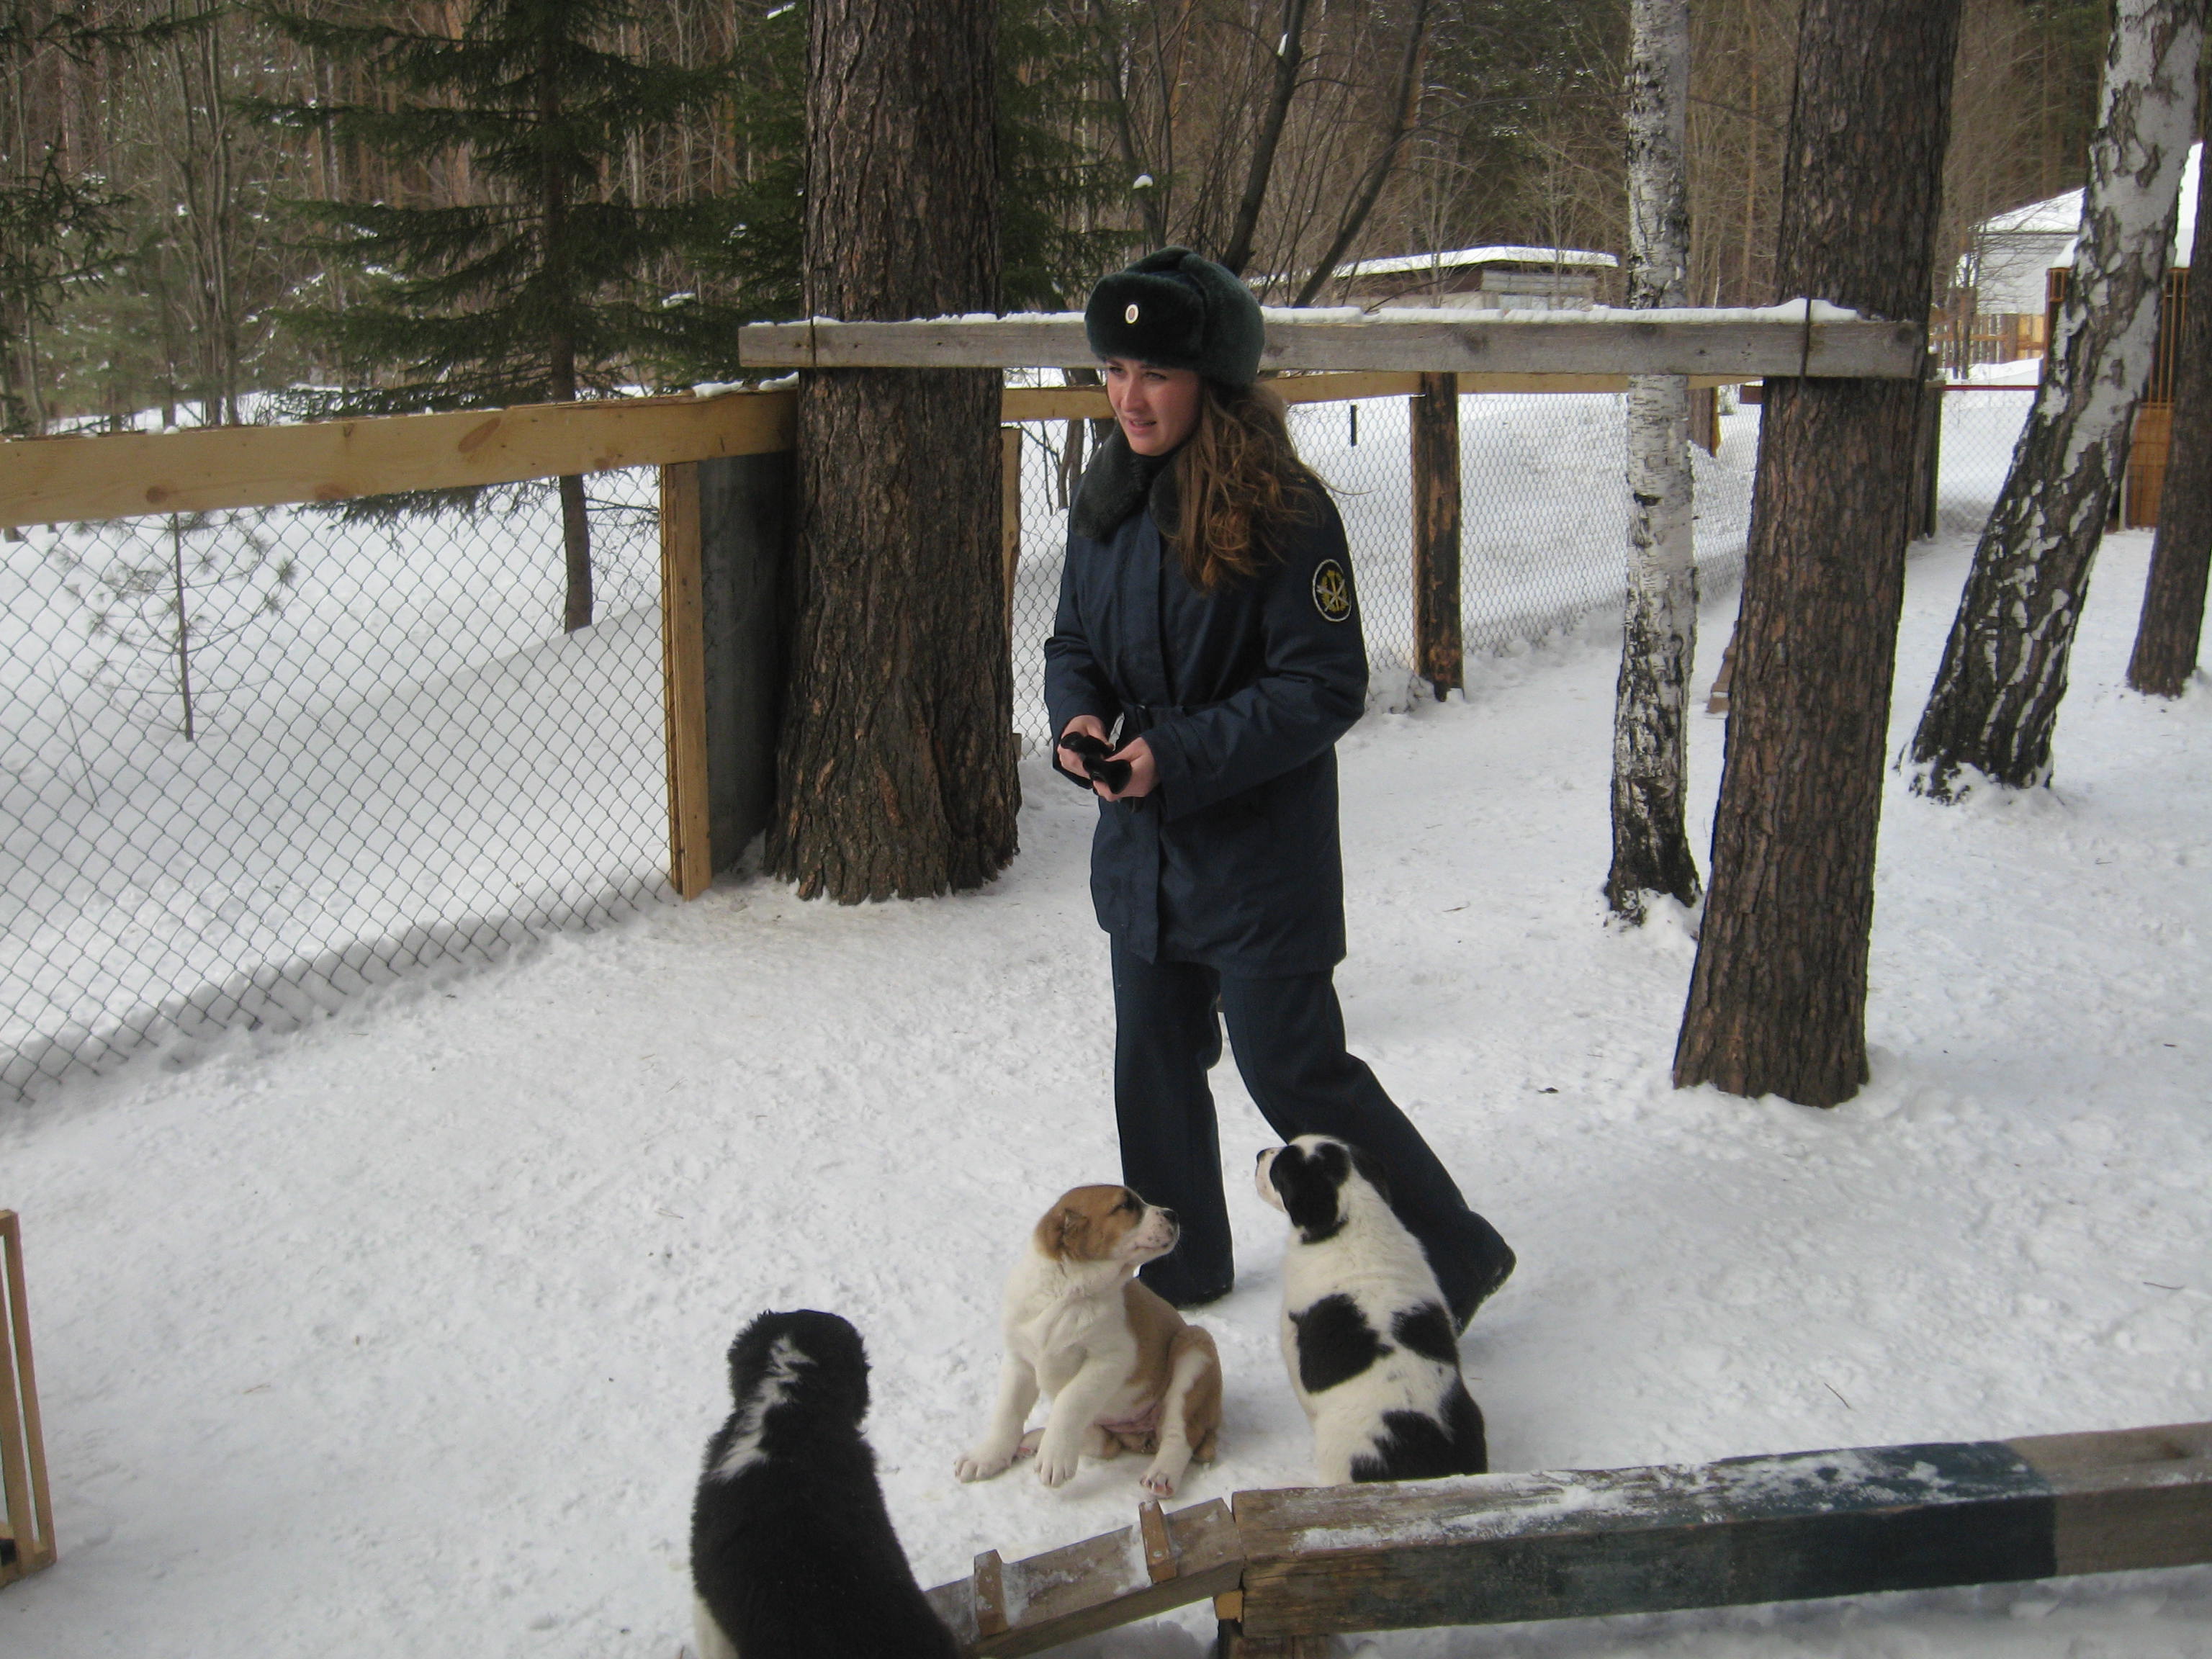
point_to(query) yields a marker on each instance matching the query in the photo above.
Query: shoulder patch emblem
(1332, 591)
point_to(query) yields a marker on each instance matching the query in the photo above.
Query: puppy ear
(1307, 1184)
(1371, 1168)
(1053, 1229)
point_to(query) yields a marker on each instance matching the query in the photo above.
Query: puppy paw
(1157, 1482)
(1056, 1467)
(980, 1466)
(1030, 1441)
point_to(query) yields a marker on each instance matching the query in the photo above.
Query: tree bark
(2173, 596)
(2004, 674)
(1659, 620)
(895, 764)
(1777, 997)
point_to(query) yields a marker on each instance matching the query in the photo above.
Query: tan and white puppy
(1125, 1371)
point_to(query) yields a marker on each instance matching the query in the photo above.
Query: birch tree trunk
(2173, 595)
(1659, 624)
(1777, 997)
(896, 763)
(2003, 673)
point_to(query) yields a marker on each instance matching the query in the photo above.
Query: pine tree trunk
(896, 763)
(1777, 997)
(2173, 597)
(1659, 624)
(2003, 673)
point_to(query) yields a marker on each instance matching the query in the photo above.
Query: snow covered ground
(400, 1334)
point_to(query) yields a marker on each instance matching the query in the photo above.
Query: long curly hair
(1239, 483)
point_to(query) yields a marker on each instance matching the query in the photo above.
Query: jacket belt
(1144, 716)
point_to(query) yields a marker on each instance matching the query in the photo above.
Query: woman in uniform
(1207, 653)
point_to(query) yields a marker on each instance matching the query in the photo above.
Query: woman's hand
(1090, 726)
(1143, 771)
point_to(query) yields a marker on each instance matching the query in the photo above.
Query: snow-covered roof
(2058, 218)
(1509, 253)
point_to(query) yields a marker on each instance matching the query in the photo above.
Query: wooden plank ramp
(1577, 1544)
(1289, 1567)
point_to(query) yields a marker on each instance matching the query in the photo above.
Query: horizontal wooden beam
(68, 480)
(1075, 403)
(1577, 1544)
(1008, 1608)
(1786, 340)
(61, 480)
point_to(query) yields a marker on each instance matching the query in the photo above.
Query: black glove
(1092, 752)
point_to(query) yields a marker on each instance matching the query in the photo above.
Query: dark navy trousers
(1288, 1036)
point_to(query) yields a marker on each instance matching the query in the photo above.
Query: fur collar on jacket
(1116, 483)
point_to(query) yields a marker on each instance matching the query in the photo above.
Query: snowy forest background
(162, 245)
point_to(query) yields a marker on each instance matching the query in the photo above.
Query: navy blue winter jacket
(1232, 862)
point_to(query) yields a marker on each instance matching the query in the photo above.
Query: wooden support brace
(1164, 1561)
(990, 1594)
(26, 1538)
(1159, 1551)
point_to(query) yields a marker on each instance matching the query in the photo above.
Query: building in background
(1505, 277)
(2004, 293)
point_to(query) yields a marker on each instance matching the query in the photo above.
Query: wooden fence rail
(123, 475)
(1289, 1568)
(714, 597)
(1799, 337)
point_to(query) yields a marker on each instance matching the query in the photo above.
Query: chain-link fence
(1544, 516)
(256, 760)
(1981, 425)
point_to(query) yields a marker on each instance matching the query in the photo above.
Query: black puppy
(1114, 774)
(793, 1553)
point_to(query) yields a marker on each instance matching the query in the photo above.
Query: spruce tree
(541, 288)
(57, 227)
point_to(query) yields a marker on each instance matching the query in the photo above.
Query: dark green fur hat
(1176, 310)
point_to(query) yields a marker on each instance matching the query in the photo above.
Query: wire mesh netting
(1544, 516)
(256, 760)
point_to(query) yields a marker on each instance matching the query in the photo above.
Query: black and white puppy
(1365, 1333)
(793, 1553)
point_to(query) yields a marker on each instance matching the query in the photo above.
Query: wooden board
(1577, 1544)
(27, 1532)
(1435, 342)
(1083, 1587)
(69, 480)
(61, 480)
(1075, 403)
(683, 681)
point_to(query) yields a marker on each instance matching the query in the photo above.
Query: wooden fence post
(1438, 653)
(1010, 509)
(1928, 458)
(683, 681)
(27, 1541)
